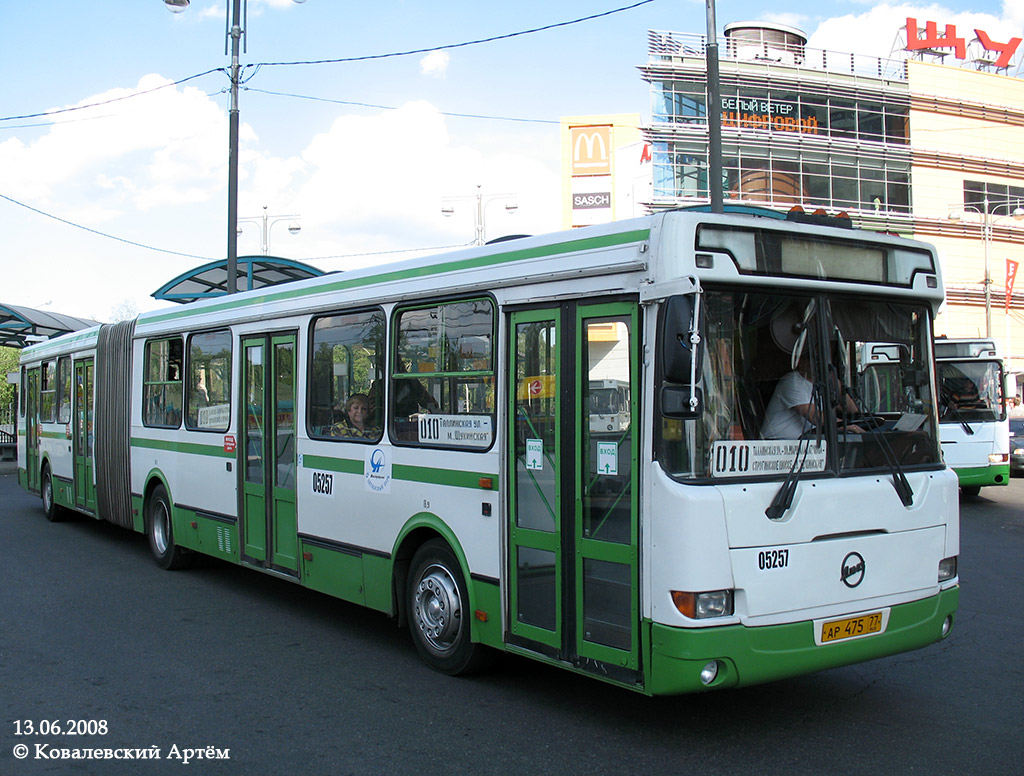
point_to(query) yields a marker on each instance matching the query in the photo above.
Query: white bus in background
(423, 439)
(974, 427)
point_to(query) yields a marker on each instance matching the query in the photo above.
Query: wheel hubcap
(438, 608)
(160, 527)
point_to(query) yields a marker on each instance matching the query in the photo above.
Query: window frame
(146, 382)
(381, 374)
(64, 391)
(444, 374)
(187, 387)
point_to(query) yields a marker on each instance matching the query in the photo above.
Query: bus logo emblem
(853, 570)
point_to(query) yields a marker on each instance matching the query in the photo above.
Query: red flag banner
(1011, 273)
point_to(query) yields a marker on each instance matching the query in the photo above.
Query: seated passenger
(791, 412)
(355, 423)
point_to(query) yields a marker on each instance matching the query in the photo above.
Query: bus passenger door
(85, 489)
(573, 533)
(32, 472)
(267, 453)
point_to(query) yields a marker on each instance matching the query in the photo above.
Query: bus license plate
(862, 625)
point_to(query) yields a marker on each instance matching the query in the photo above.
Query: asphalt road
(288, 680)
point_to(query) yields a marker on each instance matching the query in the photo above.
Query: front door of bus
(573, 433)
(85, 489)
(32, 472)
(267, 453)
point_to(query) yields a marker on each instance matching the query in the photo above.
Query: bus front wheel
(54, 512)
(167, 554)
(438, 607)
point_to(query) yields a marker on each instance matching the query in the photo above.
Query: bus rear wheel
(54, 512)
(438, 608)
(166, 553)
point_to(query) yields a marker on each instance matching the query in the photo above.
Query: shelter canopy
(254, 272)
(21, 326)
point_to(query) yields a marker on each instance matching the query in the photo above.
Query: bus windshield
(970, 391)
(785, 386)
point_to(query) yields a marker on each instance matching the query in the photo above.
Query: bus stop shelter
(254, 272)
(21, 326)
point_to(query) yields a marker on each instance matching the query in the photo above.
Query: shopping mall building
(928, 143)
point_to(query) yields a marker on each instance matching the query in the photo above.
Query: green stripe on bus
(457, 479)
(456, 265)
(327, 464)
(451, 477)
(189, 448)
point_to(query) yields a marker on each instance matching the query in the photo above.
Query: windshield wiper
(784, 496)
(899, 480)
(958, 417)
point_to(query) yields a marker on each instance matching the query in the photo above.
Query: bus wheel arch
(160, 528)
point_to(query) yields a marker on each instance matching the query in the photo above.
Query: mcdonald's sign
(591, 150)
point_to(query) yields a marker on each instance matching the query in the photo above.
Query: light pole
(266, 224)
(481, 205)
(235, 34)
(986, 212)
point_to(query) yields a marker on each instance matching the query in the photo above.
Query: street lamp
(481, 205)
(235, 33)
(267, 223)
(986, 213)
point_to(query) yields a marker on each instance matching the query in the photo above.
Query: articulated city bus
(974, 427)
(434, 439)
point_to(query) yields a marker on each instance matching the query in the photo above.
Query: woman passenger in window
(355, 423)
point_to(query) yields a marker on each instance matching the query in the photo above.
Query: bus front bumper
(996, 474)
(766, 653)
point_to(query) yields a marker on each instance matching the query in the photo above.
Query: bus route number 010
(732, 459)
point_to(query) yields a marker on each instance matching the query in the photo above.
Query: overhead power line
(392, 107)
(456, 45)
(112, 99)
(102, 234)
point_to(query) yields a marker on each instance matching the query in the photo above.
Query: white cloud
(435, 64)
(168, 140)
(152, 170)
(878, 31)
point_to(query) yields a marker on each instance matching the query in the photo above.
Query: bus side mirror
(675, 402)
(681, 339)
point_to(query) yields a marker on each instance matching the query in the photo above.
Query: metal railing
(7, 432)
(663, 45)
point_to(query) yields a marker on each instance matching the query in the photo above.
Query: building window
(442, 375)
(1002, 199)
(161, 386)
(209, 382)
(346, 395)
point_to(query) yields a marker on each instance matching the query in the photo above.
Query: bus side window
(161, 389)
(347, 359)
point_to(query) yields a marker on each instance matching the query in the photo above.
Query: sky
(106, 194)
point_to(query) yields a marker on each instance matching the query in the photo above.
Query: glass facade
(788, 142)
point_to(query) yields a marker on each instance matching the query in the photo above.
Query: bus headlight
(998, 457)
(947, 569)
(700, 606)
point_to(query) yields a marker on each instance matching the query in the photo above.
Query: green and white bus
(974, 426)
(417, 438)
